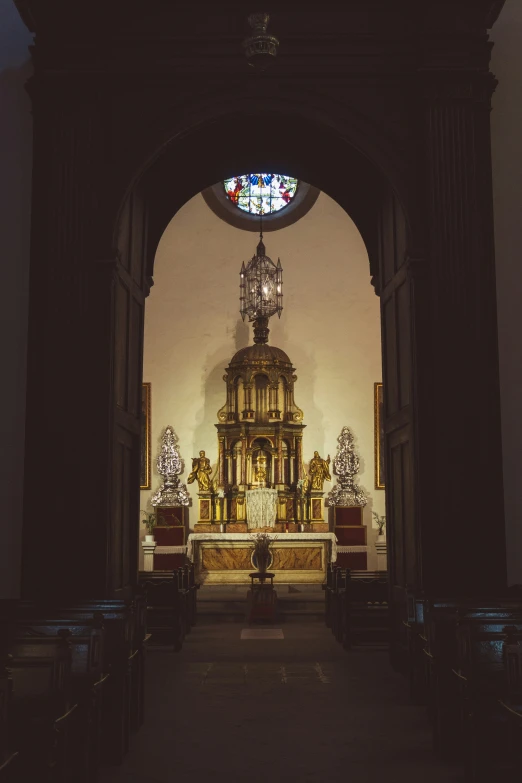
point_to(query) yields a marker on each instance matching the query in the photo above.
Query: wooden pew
(119, 621)
(464, 648)
(364, 610)
(89, 680)
(165, 607)
(337, 602)
(193, 590)
(185, 599)
(480, 681)
(8, 758)
(418, 665)
(10, 769)
(420, 649)
(328, 591)
(511, 703)
(43, 716)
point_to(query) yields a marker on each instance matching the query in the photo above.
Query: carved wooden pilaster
(221, 462)
(299, 457)
(65, 346)
(466, 464)
(244, 479)
(280, 467)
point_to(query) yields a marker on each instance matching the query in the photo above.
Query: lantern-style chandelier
(260, 47)
(261, 290)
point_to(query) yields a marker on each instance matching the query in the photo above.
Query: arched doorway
(357, 185)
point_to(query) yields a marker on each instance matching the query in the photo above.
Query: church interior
(262, 443)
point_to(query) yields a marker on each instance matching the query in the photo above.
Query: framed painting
(145, 467)
(379, 437)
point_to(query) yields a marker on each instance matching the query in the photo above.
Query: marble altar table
(226, 558)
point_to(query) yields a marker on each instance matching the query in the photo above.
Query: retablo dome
(261, 353)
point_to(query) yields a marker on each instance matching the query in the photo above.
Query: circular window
(261, 194)
(242, 200)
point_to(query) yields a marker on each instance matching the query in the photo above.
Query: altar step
(229, 602)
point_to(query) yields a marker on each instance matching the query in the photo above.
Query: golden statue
(260, 470)
(319, 472)
(201, 472)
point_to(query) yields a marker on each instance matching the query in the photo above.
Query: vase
(262, 564)
(149, 538)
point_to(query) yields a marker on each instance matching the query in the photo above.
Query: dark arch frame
(402, 102)
(363, 199)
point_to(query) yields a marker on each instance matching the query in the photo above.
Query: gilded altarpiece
(260, 437)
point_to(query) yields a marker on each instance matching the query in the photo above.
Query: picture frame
(380, 477)
(145, 439)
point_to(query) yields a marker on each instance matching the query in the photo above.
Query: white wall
(15, 208)
(507, 190)
(330, 328)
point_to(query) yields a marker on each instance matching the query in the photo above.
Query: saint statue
(201, 472)
(319, 472)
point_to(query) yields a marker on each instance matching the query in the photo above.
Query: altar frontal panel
(224, 562)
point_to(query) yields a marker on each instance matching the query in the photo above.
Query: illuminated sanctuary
(267, 467)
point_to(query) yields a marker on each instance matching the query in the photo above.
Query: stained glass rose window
(261, 194)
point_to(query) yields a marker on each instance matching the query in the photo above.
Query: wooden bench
(193, 590)
(120, 661)
(89, 670)
(165, 607)
(364, 609)
(337, 602)
(328, 593)
(43, 716)
(10, 769)
(464, 649)
(511, 703)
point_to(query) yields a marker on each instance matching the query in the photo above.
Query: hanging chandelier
(261, 287)
(260, 47)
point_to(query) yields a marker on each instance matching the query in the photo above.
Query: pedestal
(205, 508)
(170, 549)
(171, 516)
(316, 507)
(382, 558)
(351, 537)
(148, 555)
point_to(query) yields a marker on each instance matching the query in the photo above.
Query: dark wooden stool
(262, 598)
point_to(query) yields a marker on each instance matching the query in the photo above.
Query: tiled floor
(274, 710)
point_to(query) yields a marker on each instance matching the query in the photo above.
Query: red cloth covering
(351, 536)
(172, 515)
(348, 515)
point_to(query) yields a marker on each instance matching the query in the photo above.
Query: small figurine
(260, 470)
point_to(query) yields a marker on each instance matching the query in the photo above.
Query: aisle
(275, 711)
